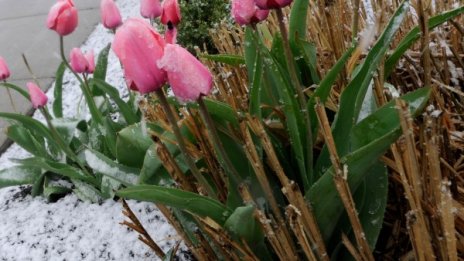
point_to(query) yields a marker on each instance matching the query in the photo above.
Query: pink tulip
(4, 71)
(246, 12)
(38, 97)
(272, 4)
(81, 63)
(150, 8)
(62, 17)
(171, 12)
(188, 77)
(111, 18)
(138, 47)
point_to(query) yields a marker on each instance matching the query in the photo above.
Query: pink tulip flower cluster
(149, 62)
(253, 11)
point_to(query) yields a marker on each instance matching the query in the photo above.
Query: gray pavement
(23, 30)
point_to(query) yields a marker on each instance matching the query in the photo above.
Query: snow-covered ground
(32, 229)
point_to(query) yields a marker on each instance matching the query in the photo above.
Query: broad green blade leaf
(306, 54)
(102, 64)
(323, 90)
(187, 201)
(18, 175)
(353, 96)
(298, 15)
(414, 34)
(66, 128)
(294, 116)
(109, 186)
(220, 111)
(18, 89)
(113, 93)
(242, 224)
(29, 123)
(85, 192)
(374, 194)
(153, 172)
(374, 136)
(256, 87)
(230, 59)
(24, 138)
(104, 165)
(58, 91)
(251, 51)
(132, 144)
(50, 191)
(58, 168)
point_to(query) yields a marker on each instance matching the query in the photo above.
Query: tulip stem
(11, 98)
(61, 142)
(84, 87)
(300, 93)
(182, 146)
(216, 140)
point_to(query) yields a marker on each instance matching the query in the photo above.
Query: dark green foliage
(198, 17)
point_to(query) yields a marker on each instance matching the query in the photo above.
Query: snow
(69, 229)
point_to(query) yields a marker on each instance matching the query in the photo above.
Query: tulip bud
(4, 71)
(188, 77)
(110, 16)
(150, 8)
(139, 47)
(246, 12)
(171, 12)
(81, 63)
(62, 17)
(272, 4)
(38, 97)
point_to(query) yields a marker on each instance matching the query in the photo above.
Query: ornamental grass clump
(322, 130)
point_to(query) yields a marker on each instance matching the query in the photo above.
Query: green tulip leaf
(104, 165)
(18, 175)
(191, 202)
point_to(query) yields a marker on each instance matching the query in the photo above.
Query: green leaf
(353, 96)
(385, 127)
(374, 194)
(104, 165)
(250, 51)
(298, 15)
(132, 144)
(414, 34)
(153, 172)
(50, 191)
(109, 187)
(18, 175)
(26, 140)
(187, 201)
(242, 224)
(308, 53)
(102, 64)
(85, 192)
(58, 168)
(230, 59)
(58, 91)
(113, 93)
(323, 90)
(18, 89)
(32, 125)
(256, 87)
(66, 128)
(294, 116)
